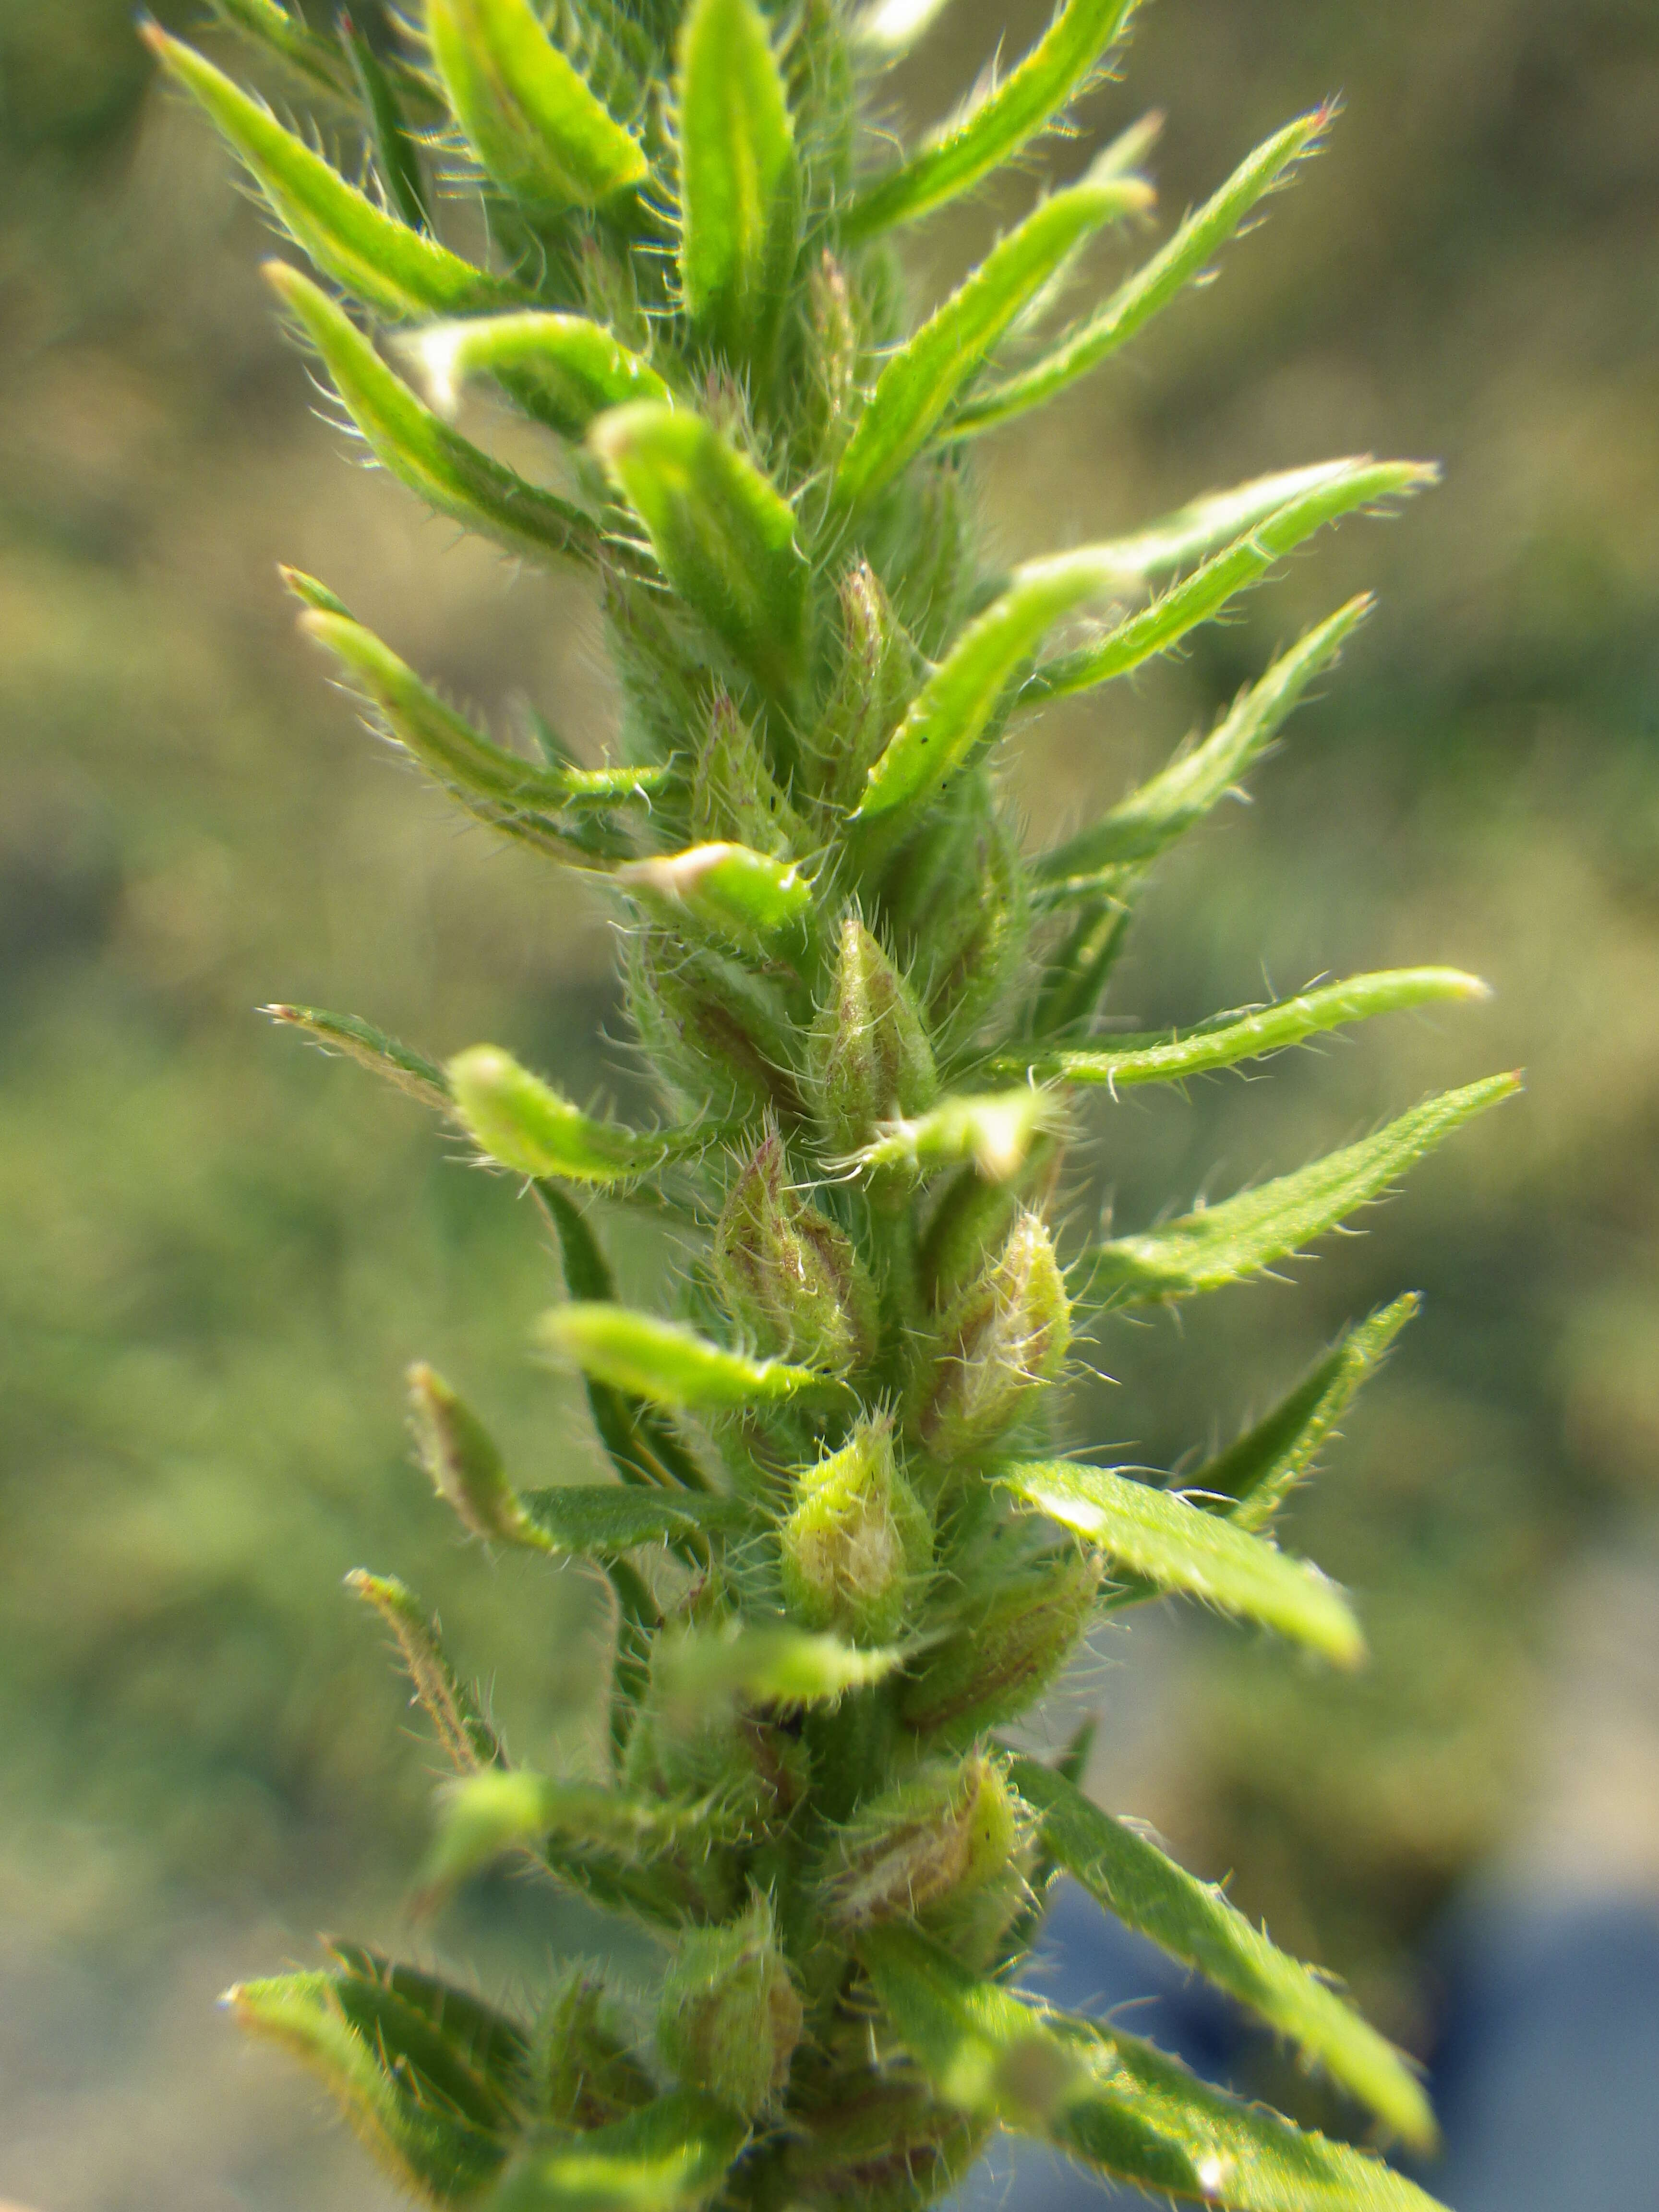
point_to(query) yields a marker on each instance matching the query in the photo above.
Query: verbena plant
(841, 1551)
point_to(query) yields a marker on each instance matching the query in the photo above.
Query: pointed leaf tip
(1194, 1922)
(1163, 1540)
(1029, 99)
(1244, 1236)
(1227, 1040)
(400, 272)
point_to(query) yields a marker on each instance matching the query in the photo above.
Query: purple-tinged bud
(860, 1543)
(1005, 1337)
(730, 2017)
(1004, 1652)
(870, 1052)
(788, 1274)
(712, 1032)
(585, 2075)
(465, 1468)
(951, 1830)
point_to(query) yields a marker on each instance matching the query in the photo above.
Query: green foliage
(831, 1564)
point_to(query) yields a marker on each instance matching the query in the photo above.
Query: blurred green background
(218, 1251)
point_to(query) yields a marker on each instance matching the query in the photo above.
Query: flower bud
(972, 1220)
(706, 1744)
(711, 1032)
(734, 795)
(730, 2017)
(881, 672)
(584, 2074)
(832, 355)
(858, 1542)
(1004, 1652)
(1005, 1337)
(788, 1274)
(948, 1831)
(466, 1468)
(869, 1051)
(893, 2148)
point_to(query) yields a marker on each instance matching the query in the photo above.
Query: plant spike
(837, 1544)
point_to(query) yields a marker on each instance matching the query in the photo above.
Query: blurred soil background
(219, 1250)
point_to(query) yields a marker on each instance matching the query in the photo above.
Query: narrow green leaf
(639, 1620)
(534, 123)
(995, 1130)
(1226, 1039)
(1029, 99)
(1150, 819)
(509, 1809)
(1203, 594)
(672, 2157)
(370, 1047)
(528, 1126)
(568, 369)
(1164, 1540)
(740, 182)
(271, 27)
(402, 2111)
(918, 384)
(1251, 1479)
(1081, 967)
(1135, 301)
(949, 714)
(601, 1521)
(723, 536)
(436, 462)
(1213, 519)
(527, 800)
(400, 272)
(669, 1364)
(1109, 2098)
(1195, 1924)
(464, 1465)
(395, 154)
(764, 1666)
(1119, 159)
(1243, 1236)
(456, 1716)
